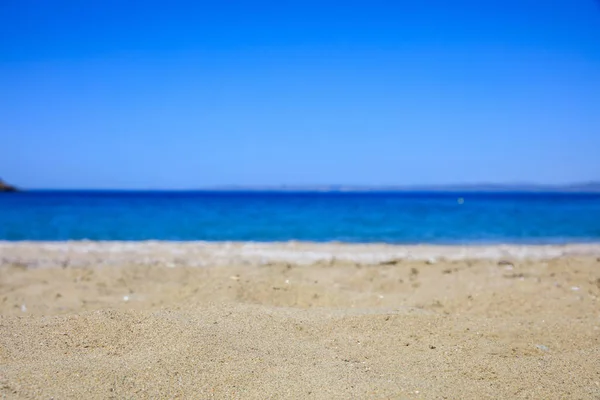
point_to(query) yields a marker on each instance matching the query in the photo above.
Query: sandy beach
(87, 320)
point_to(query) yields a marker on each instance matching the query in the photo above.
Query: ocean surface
(399, 217)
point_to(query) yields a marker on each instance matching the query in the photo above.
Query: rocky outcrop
(5, 187)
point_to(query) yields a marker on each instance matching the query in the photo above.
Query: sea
(357, 217)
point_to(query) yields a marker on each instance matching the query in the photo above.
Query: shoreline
(201, 254)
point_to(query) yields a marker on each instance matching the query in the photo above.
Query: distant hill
(586, 187)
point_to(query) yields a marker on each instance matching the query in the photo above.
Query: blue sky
(141, 95)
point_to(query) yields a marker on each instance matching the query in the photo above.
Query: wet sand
(298, 320)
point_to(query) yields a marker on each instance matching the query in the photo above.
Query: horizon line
(593, 186)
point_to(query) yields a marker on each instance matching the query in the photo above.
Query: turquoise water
(414, 217)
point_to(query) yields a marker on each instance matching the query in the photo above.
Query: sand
(87, 320)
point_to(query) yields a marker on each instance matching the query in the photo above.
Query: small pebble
(125, 298)
(574, 288)
(23, 308)
(542, 347)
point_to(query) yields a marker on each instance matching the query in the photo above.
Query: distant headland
(5, 187)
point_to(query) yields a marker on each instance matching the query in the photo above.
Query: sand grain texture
(335, 328)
